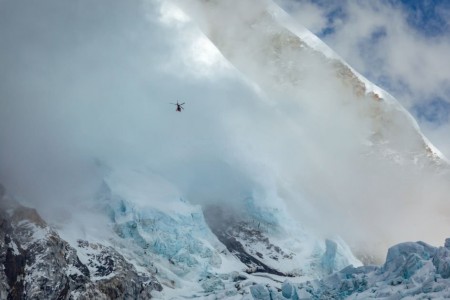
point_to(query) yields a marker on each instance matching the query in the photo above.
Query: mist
(86, 85)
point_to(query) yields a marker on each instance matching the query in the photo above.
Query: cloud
(397, 46)
(308, 14)
(305, 146)
(84, 82)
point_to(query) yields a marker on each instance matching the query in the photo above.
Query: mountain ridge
(268, 198)
(90, 269)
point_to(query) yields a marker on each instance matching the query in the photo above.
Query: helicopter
(179, 106)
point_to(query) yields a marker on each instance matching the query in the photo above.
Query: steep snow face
(292, 66)
(283, 122)
(258, 35)
(338, 150)
(288, 140)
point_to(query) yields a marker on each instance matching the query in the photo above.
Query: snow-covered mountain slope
(338, 147)
(37, 264)
(259, 198)
(257, 35)
(175, 251)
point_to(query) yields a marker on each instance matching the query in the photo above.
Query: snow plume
(401, 45)
(342, 160)
(85, 82)
(88, 86)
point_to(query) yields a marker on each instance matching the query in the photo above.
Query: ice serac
(157, 246)
(287, 61)
(149, 212)
(211, 250)
(411, 271)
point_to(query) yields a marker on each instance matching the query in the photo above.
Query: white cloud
(375, 38)
(308, 14)
(172, 15)
(75, 91)
(84, 82)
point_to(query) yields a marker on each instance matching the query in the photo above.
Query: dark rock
(235, 277)
(37, 264)
(14, 268)
(228, 228)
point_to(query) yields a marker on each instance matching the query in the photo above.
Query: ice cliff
(165, 250)
(277, 194)
(184, 243)
(411, 271)
(183, 253)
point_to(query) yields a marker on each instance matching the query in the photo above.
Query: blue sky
(90, 84)
(401, 45)
(427, 17)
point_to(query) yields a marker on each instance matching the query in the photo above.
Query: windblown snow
(286, 162)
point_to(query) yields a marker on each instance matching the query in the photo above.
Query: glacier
(164, 233)
(288, 175)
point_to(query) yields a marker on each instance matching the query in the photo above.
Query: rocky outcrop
(239, 236)
(35, 263)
